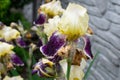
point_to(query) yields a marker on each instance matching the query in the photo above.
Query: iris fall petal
(87, 47)
(56, 42)
(16, 60)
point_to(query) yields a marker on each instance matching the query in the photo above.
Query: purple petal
(40, 69)
(34, 71)
(56, 59)
(56, 41)
(41, 19)
(87, 47)
(16, 60)
(20, 42)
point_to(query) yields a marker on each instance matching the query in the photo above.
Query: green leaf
(14, 72)
(89, 68)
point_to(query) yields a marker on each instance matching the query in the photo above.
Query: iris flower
(5, 48)
(74, 21)
(52, 8)
(8, 33)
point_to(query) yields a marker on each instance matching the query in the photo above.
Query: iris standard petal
(56, 42)
(5, 48)
(74, 21)
(51, 26)
(16, 60)
(52, 8)
(87, 47)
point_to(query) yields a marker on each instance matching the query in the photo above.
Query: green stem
(70, 57)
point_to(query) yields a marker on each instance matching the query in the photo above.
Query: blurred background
(104, 20)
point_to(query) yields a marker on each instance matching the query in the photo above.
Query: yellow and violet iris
(8, 34)
(5, 48)
(52, 8)
(74, 21)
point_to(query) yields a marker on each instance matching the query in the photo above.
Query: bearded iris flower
(5, 48)
(52, 8)
(74, 21)
(8, 33)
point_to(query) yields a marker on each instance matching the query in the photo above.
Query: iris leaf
(89, 68)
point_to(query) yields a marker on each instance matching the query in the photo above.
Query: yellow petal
(9, 34)
(76, 73)
(13, 78)
(74, 22)
(5, 48)
(52, 8)
(51, 26)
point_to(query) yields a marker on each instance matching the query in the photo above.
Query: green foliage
(6, 16)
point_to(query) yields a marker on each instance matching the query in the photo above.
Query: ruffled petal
(44, 68)
(16, 60)
(5, 48)
(54, 44)
(87, 47)
(74, 21)
(51, 26)
(52, 8)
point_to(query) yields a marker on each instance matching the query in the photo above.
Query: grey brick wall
(105, 22)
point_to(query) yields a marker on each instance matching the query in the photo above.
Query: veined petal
(74, 21)
(5, 48)
(87, 47)
(56, 42)
(16, 60)
(52, 8)
(20, 42)
(41, 19)
(51, 26)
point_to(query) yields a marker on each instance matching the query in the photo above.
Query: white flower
(74, 21)
(13, 78)
(9, 34)
(52, 8)
(76, 72)
(5, 48)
